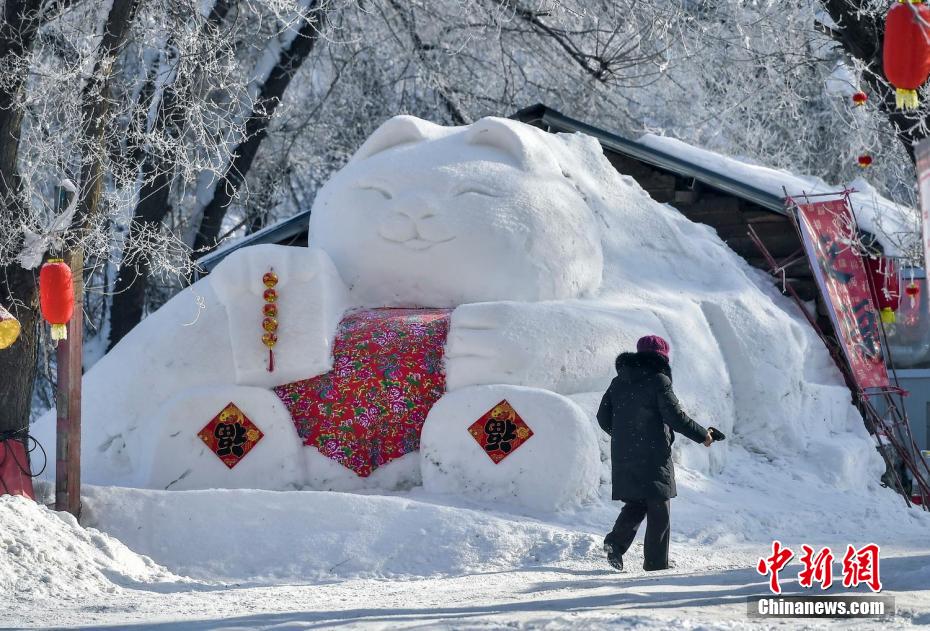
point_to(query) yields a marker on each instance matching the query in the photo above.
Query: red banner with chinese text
(829, 230)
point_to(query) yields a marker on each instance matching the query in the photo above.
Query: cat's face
(434, 216)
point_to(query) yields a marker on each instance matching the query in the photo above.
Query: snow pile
(184, 345)
(277, 536)
(892, 224)
(44, 554)
(743, 358)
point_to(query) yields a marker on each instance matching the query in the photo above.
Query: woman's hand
(708, 440)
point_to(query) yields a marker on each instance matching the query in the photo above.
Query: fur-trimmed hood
(633, 367)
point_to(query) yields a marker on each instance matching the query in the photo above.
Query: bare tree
(78, 99)
(859, 28)
(157, 171)
(256, 128)
(21, 21)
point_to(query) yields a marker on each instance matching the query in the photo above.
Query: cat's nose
(398, 227)
(416, 212)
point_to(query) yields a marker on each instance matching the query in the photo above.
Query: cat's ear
(400, 130)
(517, 140)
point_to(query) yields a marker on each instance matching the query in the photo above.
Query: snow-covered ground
(798, 465)
(292, 560)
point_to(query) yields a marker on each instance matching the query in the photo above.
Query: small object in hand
(716, 434)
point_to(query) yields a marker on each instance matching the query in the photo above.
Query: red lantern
(56, 296)
(907, 50)
(859, 98)
(864, 161)
(886, 286)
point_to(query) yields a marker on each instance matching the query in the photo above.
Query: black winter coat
(641, 414)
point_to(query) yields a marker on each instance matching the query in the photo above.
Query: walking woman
(641, 413)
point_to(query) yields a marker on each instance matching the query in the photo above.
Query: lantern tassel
(59, 332)
(906, 99)
(270, 360)
(888, 316)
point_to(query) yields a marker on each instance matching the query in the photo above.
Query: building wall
(917, 383)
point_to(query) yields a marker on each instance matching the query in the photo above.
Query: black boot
(615, 559)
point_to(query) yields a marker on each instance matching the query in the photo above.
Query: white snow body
(553, 262)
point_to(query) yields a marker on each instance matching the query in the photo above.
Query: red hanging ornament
(906, 50)
(911, 310)
(859, 98)
(886, 286)
(270, 311)
(864, 161)
(56, 296)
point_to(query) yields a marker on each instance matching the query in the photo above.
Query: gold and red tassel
(906, 99)
(270, 313)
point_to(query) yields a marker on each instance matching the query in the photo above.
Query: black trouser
(655, 549)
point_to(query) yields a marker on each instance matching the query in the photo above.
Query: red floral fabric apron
(387, 374)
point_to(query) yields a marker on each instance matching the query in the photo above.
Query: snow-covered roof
(876, 214)
(292, 228)
(661, 158)
(892, 224)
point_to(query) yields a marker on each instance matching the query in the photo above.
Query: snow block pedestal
(557, 466)
(178, 459)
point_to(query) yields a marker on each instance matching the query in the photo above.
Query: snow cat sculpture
(452, 324)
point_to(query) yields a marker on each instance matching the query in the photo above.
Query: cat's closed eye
(474, 191)
(386, 194)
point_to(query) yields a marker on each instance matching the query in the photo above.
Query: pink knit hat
(653, 344)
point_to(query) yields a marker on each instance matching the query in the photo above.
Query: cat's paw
(309, 300)
(488, 344)
(563, 346)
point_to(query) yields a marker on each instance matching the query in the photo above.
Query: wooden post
(68, 400)
(68, 396)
